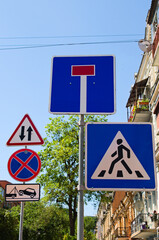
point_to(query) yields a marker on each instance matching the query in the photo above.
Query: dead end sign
(24, 165)
(83, 85)
(25, 134)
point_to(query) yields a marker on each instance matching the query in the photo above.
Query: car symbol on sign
(28, 191)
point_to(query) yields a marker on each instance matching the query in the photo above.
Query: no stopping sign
(24, 165)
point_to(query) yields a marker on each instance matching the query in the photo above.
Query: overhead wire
(69, 36)
(16, 47)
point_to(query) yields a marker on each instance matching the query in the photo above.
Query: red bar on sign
(86, 70)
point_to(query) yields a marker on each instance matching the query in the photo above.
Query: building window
(155, 22)
(154, 25)
(156, 112)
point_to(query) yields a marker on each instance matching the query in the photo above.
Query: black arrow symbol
(29, 133)
(22, 136)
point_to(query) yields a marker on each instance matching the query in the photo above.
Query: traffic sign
(22, 192)
(83, 85)
(24, 165)
(25, 134)
(120, 156)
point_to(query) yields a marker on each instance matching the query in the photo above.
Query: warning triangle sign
(120, 162)
(25, 134)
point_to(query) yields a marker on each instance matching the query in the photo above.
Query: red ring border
(22, 150)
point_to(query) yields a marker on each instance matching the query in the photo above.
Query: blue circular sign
(24, 165)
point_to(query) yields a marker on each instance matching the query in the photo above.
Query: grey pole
(21, 217)
(80, 214)
(21, 221)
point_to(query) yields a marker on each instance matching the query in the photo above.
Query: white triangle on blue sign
(120, 162)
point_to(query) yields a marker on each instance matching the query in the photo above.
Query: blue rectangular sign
(120, 156)
(83, 85)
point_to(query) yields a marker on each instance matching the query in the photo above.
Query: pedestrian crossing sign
(120, 156)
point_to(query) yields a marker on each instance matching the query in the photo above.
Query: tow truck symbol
(28, 191)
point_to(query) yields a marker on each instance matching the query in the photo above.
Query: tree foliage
(59, 157)
(8, 229)
(90, 223)
(89, 227)
(42, 222)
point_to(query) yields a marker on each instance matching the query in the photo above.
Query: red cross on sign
(24, 165)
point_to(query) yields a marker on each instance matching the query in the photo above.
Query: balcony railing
(141, 106)
(121, 232)
(145, 221)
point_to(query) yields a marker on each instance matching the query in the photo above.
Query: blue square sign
(120, 156)
(83, 85)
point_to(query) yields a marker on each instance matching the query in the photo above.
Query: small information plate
(22, 192)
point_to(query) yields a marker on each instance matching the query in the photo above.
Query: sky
(32, 32)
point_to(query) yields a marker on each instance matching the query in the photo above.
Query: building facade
(135, 215)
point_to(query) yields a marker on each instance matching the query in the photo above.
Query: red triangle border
(25, 143)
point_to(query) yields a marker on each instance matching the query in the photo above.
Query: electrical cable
(80, 36)
(16, 47)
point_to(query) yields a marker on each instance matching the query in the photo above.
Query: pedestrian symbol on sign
(120, 156)
(120, 164)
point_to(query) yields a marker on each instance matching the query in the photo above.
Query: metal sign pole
(21, 217)
(21, 221)
(80, 214)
